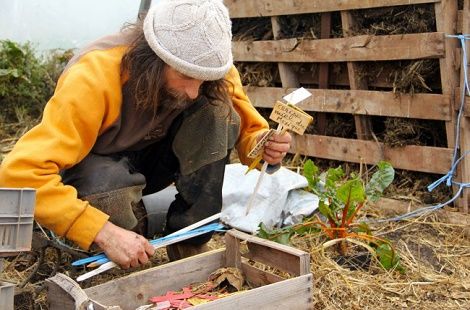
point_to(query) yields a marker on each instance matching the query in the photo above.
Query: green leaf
(283, 238)
(364, 228)
(380, 180)
(333, 175)
(262, 231)
(306, 229)
(352, 190)
(387, 256)
(9, 72)
(278, 235)
(13, 49)
(324, 210)
(310, 173)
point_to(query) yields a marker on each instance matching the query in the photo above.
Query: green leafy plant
(341, 197)
(27, 80)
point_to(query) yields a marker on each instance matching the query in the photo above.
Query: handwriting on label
(291, 117)
(259, 147)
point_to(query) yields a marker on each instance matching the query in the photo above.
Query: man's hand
(124, 247)
(276, 148)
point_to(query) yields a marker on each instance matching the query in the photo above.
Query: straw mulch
(436, 257)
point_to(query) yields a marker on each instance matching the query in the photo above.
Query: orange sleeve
(86, 100)
(252, 123)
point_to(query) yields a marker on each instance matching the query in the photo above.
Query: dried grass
(435, 256)
(395, 20)
(399, 132)
(252, 29)
(258, 74)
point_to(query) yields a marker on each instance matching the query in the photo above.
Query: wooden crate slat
(357, 48)
(360, 102)
(297, 295)
(416, 158)
(255, 8)
(138, 287)
(259, 277)
(283, 257)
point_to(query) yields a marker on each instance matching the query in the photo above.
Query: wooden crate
(358, 101)
(271, 292)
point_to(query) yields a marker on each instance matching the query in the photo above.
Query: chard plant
(341, 197)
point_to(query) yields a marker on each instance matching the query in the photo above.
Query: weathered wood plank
(232, 251)
(277, 255)
(324, 70)
(257, 277)
(360, 102)
(251, 8)
(287, 75)
(293, 293)
(362, 123)
(464, 202)
(358, 48)
(137, 288)
(446, 21)
(460, 21)
(415, 158)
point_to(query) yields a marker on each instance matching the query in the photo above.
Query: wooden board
(296, 293)
(465, 122)
(259, 277)
(254, 8)
(416, 158)
(288, 77)
(291, 260)
(138, 287)
(358, 48)
(362, 123)
(460, 21)
(361, 102)
(446, 21)
(324, 70)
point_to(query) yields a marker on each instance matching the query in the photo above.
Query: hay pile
(435, 256)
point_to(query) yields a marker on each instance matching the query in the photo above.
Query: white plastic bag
(279, 200)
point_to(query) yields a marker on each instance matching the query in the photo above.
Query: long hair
(145, 72)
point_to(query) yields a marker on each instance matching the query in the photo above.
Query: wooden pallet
(359, 101)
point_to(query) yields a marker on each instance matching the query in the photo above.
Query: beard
(175, 100)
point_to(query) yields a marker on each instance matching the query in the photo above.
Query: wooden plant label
(291, 117)
(259, 147)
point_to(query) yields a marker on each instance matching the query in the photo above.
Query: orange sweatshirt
(86, 103)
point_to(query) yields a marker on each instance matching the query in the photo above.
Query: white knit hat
(192, 36)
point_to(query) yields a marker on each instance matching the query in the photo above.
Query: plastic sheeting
(279, 201)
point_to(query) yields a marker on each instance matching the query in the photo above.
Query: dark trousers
(115, 184)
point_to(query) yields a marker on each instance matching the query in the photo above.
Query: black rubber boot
(200, 196)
